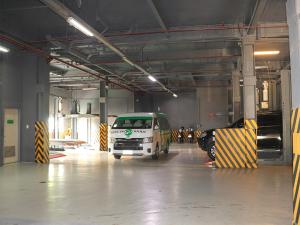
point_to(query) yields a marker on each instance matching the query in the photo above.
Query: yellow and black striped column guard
(295, 126)
(230, 148)
(197, 133)
(174, 133)
(234, 149)
(41, 142)
(103, 137)
(251, 142)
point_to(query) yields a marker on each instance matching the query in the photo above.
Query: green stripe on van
(135, 118)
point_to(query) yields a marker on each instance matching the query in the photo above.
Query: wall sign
(10, 121)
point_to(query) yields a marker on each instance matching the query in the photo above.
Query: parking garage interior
(69, 70)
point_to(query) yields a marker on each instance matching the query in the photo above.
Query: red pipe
(168, 59)
(45, 55)
(177, 30)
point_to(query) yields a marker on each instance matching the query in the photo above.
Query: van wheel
(211, 150)
(156, 154)
(117, 156)
(166, 151)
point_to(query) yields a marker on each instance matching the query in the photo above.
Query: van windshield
(133, 123)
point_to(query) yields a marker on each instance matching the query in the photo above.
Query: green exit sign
(10, 121)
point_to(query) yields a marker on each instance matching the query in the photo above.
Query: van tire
(156, 153)
(117, 156)
(166, 151)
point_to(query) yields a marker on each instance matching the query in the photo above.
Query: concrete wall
(120, 101)
(206, 107)
(143, 102)
(182, 111)
(86, 97)
(25, 86)
(213, 107)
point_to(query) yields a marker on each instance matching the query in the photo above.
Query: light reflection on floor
(91, 187)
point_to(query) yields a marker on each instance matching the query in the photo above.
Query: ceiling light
(175, 96)
(89, 89)
(261, 53)
(3, 49)
(128, 61)
(152, 78)
(55, 74)
(261, 67)
(79, 26)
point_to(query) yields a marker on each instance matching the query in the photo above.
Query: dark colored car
(269, 136)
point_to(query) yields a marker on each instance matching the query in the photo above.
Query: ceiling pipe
(215, 27)
(48, 57)
(66, 13)
(80, 56)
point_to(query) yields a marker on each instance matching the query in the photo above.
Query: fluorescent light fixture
(128, 61)
(89, 89)
(152, 78)
(262, 53)
(79, 26)
(175, 96)
(55, 74)
(4, 49)
(261, 67)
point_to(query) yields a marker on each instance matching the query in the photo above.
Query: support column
(286, 115)
(250, 101)
(103, 102)
(74, 128)
(236, 94)
(273, 95)
(1, 113)
(293, 11)
(103, 117)
(249, 79)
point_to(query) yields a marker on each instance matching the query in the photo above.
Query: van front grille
(129, 144)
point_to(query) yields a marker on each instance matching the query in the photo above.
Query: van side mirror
(156, 127)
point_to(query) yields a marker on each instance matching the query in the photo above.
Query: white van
(140, 134)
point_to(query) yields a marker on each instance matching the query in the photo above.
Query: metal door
(11, 135)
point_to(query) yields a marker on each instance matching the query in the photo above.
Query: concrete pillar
(103, 102)
(293, 11)
(249, 78)
(286, 115)
(236, 94)
(74, 128)
(273, 106)
(1, 113)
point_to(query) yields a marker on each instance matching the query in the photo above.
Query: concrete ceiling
(183, 43)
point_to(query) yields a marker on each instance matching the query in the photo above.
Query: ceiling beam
(64, 12)
(256, 15)
(157, 16)
(83, 58)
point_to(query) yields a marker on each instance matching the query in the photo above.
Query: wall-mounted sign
(10, 121)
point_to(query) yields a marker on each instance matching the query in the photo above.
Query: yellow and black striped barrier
(41, 142)
(295, 126)
(295, 121)
(175, 132)
(251, 142)
(236, 148)
(197, 134)
(103, 137)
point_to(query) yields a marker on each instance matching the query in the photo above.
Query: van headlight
(112, 140)
(148, 140)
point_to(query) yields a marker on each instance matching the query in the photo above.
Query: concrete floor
(93, 188)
